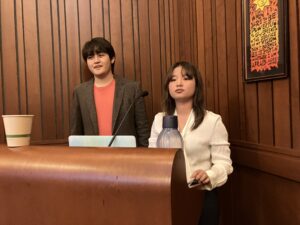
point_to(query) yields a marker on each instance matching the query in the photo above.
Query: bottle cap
(170, 121)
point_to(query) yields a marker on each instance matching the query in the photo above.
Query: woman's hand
(201, 176)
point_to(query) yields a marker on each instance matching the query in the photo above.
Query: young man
(100, 104)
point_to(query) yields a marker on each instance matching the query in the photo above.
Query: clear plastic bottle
(170, 137)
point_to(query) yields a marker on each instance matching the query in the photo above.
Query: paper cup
(17, 129)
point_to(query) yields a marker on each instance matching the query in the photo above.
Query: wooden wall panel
(209, 68)
(261, 200)
(21, 57)
(116, 33)
(128, 40)
(145, 60)
(294, 71)
(262, 118)
(64, 69)
(57, 74)
(9, 59)
(221, 63)
(47, 80)
(156, 67)
(73, 41)
(32, 65)
(2, 136)
(241, 88)
(106, 18)
(97, 16)
(136, 40)
(162, 46)
(85, 32)
(265, 113)
(282, 111)
(41, 60)
(215, 54)
(185, 42)
(231, 36)
(200, 38)
(251, 113)
(193, 27)
(166, 35)
(174, 30)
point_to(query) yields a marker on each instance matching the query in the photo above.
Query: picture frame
(264, 39)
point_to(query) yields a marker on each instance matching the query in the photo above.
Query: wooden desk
(58, 185)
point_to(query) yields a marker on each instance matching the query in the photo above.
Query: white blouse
(205, 148)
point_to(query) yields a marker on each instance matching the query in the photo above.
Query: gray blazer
(84, 115)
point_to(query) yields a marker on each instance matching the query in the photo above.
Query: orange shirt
(104, 100)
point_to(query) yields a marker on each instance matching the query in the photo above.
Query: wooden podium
(59, 185)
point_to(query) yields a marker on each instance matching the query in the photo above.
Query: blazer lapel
(91, 105)
(119, 92)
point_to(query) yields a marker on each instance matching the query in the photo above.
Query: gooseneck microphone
(143, 94)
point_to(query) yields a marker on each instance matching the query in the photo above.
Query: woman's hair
(198, 99)
(98, 45)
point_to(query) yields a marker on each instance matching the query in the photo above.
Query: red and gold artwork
(264, 35)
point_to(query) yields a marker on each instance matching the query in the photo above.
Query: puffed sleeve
(220, 156)
(155, 130)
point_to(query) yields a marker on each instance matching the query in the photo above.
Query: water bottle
(170, 137)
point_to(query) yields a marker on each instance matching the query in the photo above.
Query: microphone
(143, 94)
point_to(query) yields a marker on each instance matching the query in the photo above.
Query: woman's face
(181, 86)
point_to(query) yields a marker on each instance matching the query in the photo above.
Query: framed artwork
(264, 39)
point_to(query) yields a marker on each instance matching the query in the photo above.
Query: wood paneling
(128, 42)
(260, 200)
(41, 59)
(9, 58)
(209, 53)
(155, 46)
(32, 67)
(221, 62)
(265, 113)
(97, 21)
(262, 112)
(262, 118)
(232, 75)
(145, 60)
(116, 34)
(47, 80)
(282, 162)
(57, 72)
(294, 19)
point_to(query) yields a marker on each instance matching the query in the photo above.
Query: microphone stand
(143, 94)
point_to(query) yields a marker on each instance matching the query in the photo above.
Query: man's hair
(198, 99)
(98, 45)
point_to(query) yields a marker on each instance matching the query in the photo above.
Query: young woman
(206, 147)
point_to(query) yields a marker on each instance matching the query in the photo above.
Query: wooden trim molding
(276, 161)
(50, 142)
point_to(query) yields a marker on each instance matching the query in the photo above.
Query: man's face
(100, 64)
